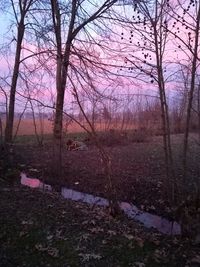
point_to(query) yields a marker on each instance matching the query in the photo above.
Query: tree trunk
(10, 117)
(57, 135)
(191, 94)
(170, 183)
(61, 79)
(198, 110)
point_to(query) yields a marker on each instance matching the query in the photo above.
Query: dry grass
(26, 127)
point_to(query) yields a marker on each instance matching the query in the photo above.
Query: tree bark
(191, 94)
(10, 118)
(165, 118)
(62, 68)
(61, 79)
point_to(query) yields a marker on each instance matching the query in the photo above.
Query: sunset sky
(122, 46)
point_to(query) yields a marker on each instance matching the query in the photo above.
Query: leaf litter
(59, 232)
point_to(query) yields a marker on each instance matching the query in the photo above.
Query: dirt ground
(138, 170)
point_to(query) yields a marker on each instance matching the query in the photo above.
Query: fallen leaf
(53, 252)
(111, 232)
(49, 237)
(140, 242)
(23, 233)
(29, 222)
(129, 237)
(196, 259)
(88, 257)
(40, 247)
(96, 230)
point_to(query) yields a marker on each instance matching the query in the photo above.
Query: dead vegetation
(138, 170)
(49, 231)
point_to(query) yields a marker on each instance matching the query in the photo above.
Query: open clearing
(138, 170)
(42, 229)
(45, 126)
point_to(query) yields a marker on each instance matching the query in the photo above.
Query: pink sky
(118, 51)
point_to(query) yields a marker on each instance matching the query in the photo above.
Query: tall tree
(149, 36)
(20, 9)
(78, 19)
(193, 23)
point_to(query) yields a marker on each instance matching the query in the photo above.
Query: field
(26, 127)
(45, 126)
(42, 229)
(138, 169)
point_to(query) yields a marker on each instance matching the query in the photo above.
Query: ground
(138, 169)
(41, 229)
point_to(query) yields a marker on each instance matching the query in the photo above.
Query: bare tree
(20, 10)
(149, 38)
(186, 16)
(194, 62)
(72, 29)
